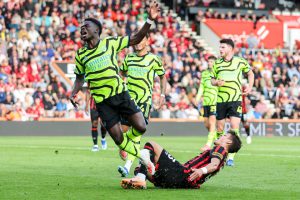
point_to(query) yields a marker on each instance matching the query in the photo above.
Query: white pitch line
(113, 149)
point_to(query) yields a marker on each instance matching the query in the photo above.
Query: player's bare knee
(118, 139)
(141, 127)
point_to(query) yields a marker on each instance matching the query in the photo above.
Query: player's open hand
(247, 90)
(86, 109)
(154, 10)
(196, 174)
(74, 102)
(162, 101)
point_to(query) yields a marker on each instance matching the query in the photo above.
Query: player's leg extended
(94, 129)
(211, 130)
(125, 170)
(220, 128)
(139, 181)
(221, 116)
(138, 125)
(124, 143)
(103, 134)
(234, 124)
(247, 128)
(207, 145)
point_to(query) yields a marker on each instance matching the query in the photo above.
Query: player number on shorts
(239, 109)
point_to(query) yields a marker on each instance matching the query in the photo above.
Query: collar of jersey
(87, 46)
(143, 55)
(228, 60)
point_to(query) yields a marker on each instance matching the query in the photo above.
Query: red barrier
(269, 33)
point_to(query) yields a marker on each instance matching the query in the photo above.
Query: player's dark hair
(96, 22)
(236, 142)
(227, 41)
(212, 58)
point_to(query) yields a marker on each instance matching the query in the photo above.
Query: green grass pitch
(65, 168)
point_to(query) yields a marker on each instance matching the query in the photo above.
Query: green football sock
(236, 131)
(137, 141)
(132, 133)
(231, 156)
(219, 134)
(129, 146)
(210, 138)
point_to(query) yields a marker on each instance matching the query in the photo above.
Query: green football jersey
(100, 67)
(232, 73)
(141, 71)
(207, 90)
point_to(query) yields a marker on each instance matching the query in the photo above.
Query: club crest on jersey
(84, 59)
(103, 48)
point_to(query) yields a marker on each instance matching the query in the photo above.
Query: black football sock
(103, 132)
(247, 129)
(95, 135)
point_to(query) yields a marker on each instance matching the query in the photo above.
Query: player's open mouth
(83, 34)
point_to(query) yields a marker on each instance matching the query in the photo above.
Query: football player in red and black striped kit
(169, 173)
(95, 120)
(244, 117)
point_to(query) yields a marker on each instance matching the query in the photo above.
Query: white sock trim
(141, 176)
(128, 165)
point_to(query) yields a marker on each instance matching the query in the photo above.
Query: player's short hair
(212, 58)
(227, 41)
(96, 22)
(236, 142)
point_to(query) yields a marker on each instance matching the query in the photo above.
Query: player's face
(211, 63)
(224, 49)
(142, 45)
(223, 140)
(88, 29)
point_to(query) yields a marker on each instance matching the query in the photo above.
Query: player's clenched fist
(154, 10)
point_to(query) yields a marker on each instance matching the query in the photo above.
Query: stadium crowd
(34, 33)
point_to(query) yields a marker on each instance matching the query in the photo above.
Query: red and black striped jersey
(92, 103)
(204, 159)
(244, 106)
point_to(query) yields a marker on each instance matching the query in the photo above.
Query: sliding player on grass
(140, 69)
(169, 173)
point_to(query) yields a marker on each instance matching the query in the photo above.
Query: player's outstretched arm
(211, 167)
(153, 13)
(76, 88)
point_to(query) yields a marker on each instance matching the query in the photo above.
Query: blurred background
(39, 38)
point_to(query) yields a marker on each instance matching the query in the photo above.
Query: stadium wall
(289, 128)
(210, 37)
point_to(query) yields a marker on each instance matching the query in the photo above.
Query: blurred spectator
(192, 113)
(165, 113)
(35, 33)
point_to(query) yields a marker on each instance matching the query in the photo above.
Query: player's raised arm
(153, 14)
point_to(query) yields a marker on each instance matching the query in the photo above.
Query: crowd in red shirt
(32, 35)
